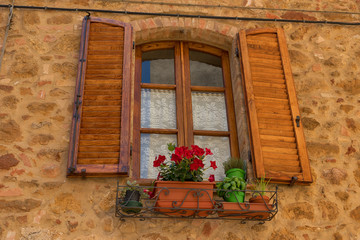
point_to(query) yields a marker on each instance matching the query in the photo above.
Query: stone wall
(37, 80)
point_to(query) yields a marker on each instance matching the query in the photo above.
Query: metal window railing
(161, 202)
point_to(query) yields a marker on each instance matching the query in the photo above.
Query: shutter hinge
(71, 170)
(131, 150)
(83, 172)
(249, 155)
(297, 121)
(133, 44)
(237, 52)
(82, 60)
(293, 180)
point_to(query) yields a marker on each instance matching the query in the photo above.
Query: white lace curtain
(158, 110)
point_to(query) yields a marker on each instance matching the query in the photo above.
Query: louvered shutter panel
(277, 137)
(100, 136)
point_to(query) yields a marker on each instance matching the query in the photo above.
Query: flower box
(184, 198)
(250, 211)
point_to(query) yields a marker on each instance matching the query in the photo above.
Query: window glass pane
(158, 108)
(205, 69)
(209, 111)
(153, 145)
(220, 147)
(158, 67)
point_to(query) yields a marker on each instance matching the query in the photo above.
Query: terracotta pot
(245, 210)
(259, 199)
(184, 198)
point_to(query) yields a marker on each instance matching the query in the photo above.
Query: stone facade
(37, 81)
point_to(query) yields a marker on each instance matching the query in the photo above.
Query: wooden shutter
(278, 143)
(100, 135)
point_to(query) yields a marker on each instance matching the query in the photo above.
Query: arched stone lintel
(207, 31)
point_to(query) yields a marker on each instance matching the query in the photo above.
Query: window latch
(297, 121)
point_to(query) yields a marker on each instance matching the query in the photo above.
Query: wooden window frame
(185, 132)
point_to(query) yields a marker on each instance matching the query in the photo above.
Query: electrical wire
(239, 7)
(7, 32)
(185, 15)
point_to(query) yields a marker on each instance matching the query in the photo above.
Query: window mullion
(179, 96)
(187, 102)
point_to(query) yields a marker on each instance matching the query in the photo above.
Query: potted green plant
(132, 194)
(232, 189)
(181, 184)
(260, 191)
(235, 167)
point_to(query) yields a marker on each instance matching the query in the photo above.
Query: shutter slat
(99, 142)
(102, 103)
(89, 124)
(103, 127)
(258, 55)
(277, 138)
(99, 130)
(278, 144)
(276, 132)
(99, 155)
(99, 149)
(271, 143)
(280, 168)
(99, 136)
(102, 114)
(280, 150)
(274, 116)
(101, 160)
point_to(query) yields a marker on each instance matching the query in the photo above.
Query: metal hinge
(297, 121)
(133, 44)
(83, 172)
(71, 170)
(131, 150)
(237, 52)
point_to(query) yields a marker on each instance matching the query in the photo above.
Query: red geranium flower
(211, 178)
(197, 163)
(176, 158)
(159, 160)
(208, 151)
(213, 164)
(180, 151)
(197, 150)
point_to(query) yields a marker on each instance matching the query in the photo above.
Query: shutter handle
(297, 121)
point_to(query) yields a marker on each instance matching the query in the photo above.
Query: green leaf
(171, 147)
(226, 185)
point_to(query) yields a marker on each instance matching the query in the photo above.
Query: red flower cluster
(184, 160)
(159, 160)
(196, 164)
